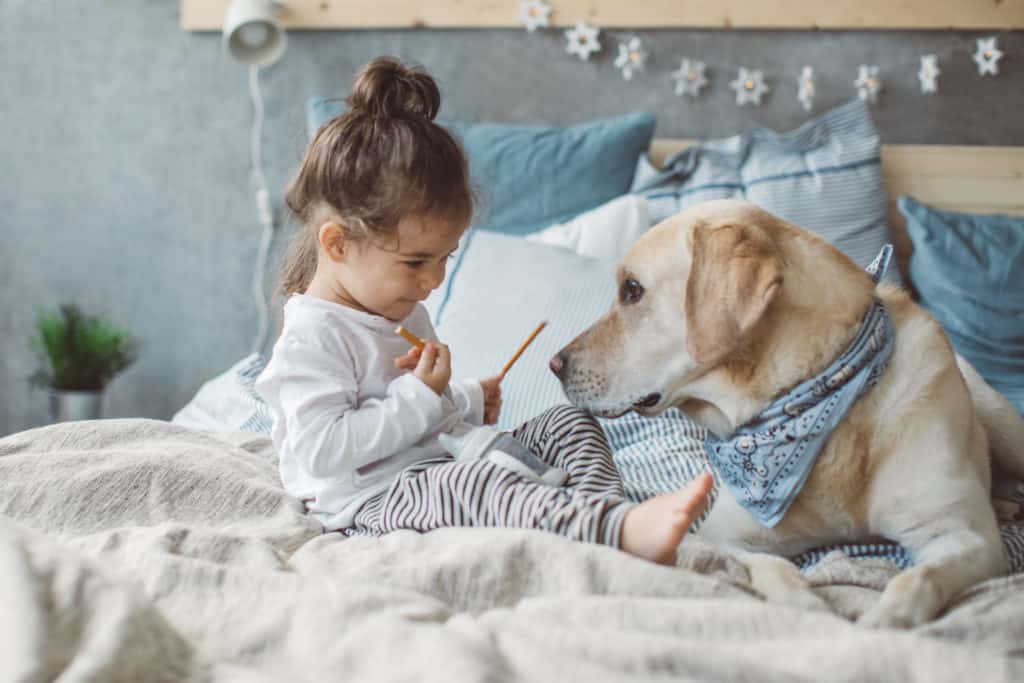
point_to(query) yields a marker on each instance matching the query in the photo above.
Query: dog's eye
(630, 291)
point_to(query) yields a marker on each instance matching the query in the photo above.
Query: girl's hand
(434, 367)
(492, 399)
(409, 360)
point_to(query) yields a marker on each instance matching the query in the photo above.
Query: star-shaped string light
(805, 88)
(987, 57)
(632, 57)
(929, 74)
(749, 86)
(689, 78)
(534, 14)
(582, 40)
(868, 84)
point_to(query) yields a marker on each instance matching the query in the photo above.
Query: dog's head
(691, 292)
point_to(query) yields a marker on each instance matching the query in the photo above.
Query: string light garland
(751, 84)
(805, 88)
(929, 74)
(582, 40)
(689, 78)
(632, 58)
(987, 57)
(868, 84)
(534, 14)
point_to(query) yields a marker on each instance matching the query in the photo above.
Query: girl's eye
(415, 264)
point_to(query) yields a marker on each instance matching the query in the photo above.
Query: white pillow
(228, 402)
(497, 290)
(606, 232)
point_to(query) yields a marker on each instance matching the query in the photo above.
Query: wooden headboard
(208, 15)
(956, 178)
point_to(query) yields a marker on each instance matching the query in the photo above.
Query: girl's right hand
(434, 367)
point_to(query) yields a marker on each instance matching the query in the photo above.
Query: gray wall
(124, 152)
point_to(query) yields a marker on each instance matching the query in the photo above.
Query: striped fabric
(446, 492)
(825, 176)
(663, 453)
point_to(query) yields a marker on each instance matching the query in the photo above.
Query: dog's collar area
(767, 460)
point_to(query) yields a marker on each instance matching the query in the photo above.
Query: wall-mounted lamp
(253, 36)
(252, 33)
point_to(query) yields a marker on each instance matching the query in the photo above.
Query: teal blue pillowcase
(969, 273)
(529, 177)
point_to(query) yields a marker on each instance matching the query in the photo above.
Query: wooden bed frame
(208, 15)
(955, 178)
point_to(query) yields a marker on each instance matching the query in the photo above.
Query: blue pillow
(532, 176)
(969, 273)
(825, 176)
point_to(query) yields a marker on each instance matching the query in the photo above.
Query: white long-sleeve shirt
(346, 421)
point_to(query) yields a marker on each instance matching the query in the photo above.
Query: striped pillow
(825, 176)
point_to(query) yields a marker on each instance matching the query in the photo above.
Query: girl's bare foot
(654, 528)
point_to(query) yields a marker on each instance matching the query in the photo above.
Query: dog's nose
(557, 364)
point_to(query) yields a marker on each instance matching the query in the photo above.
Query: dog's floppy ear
(736, 273)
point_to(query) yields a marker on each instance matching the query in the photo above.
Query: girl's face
(388, 278)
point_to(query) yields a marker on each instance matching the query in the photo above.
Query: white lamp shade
(252, 34)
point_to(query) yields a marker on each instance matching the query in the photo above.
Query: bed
(139, 550)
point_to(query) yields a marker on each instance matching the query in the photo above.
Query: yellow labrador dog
(722, 309)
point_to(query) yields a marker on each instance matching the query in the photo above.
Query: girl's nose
(435, 278)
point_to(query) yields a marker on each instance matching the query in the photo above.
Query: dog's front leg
(774, 577)
(937, 506)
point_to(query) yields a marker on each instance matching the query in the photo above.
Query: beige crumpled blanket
(137, 550)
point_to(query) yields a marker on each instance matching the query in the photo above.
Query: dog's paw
(804, 598)
(896, 615)
(910, 599)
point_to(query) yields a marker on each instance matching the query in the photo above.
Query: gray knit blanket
(138, 550)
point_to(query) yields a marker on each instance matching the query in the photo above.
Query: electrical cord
(264, 211)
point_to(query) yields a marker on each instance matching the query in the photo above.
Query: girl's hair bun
(387, 88)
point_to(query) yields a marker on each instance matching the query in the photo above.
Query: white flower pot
(66, 406)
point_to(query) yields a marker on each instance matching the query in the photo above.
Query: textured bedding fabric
(137, 550)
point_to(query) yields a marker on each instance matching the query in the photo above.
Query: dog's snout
(557, 364)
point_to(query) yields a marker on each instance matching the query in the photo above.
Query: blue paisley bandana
(767, 460)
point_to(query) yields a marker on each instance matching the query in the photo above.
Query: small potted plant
(80, 355)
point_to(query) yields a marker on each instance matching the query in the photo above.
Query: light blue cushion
(825, 176)
(498, 288)
(969, 272)
(529, 177)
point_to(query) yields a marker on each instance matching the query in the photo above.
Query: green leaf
(79, 352)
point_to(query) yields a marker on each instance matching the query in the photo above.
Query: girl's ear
(332, 240)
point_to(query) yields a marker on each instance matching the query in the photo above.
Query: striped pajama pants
(443, 492)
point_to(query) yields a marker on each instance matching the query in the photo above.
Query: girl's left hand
(492, 399)
(409, 360)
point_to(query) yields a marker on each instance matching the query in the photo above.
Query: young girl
(383, 195)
